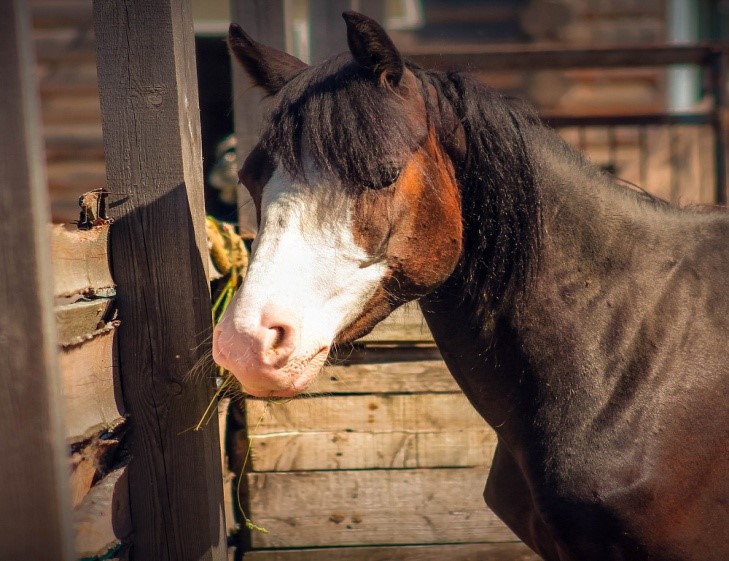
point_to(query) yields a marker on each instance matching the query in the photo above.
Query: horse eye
(386, 176)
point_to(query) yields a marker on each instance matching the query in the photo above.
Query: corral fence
(384, 460)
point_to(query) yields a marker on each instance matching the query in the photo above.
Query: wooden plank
(75, 142)
(390, 377)
(67, 44)
(34, 471)
(149, 100)
(80, 261)
(74, 322)
(58, 13)
(228, 476)
(72, 110)
(406, 324)
(549, 55)
(89, 385)
(301, 451)
(367, 431)
(451, 552)
(719, 79)
(327, 32)
(102, 521)
(87, 464)
(364, 413)
(378, 507)
(268, 21)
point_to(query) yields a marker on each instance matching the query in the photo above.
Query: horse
(588, 323)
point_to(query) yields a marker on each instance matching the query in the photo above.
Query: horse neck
(511, 365)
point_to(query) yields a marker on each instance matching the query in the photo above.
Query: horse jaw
(308, 281)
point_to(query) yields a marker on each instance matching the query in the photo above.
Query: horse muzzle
(265, 357)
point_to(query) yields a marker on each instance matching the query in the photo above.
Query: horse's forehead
(315, 198)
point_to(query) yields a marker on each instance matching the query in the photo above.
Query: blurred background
(619, 115)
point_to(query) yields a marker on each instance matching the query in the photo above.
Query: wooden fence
(385, 460)
(105, 394)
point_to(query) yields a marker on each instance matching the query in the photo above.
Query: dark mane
(348, 124)
(501, 203)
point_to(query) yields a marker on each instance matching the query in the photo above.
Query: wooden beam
(368, 431)
(372, 507)
(35, 504)
(720, 79)
(397, 376)
(550, 56)
(327, 31)
(81, 261)
(395, 449)
(102, 521)
(77, 322)
(89, 378)
(406, 324)
(451, 552)
(267, 21)
(365, 413)
(149, 101)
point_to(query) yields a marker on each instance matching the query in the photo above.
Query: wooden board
(102, 521)
(378, 507)
(364, 413)
(74, 322)
(34, 470)
(368, 431)
(452, 552)
(80, 261)
(86, 465)
(89, 386)
(298, 451)
(267, 22)
(406, 324)
(391, 377)
(151, 122)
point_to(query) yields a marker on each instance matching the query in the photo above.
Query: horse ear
(373, 49)
(269, 68)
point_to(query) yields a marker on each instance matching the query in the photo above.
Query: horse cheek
(428, 246)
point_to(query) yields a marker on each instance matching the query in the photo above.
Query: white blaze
(306, 262)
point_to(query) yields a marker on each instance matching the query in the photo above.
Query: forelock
(345, 123)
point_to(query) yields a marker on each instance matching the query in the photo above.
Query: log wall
(95, 418)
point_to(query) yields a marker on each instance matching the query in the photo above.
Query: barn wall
(66, 69)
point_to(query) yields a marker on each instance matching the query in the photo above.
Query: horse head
(357, 203)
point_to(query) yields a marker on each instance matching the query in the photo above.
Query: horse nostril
(278, 338)
(280, 333)
(280, 341)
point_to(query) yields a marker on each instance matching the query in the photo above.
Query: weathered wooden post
(35, 507)
(149, 101)
(327, 33)
(720, 83)
(267, 21)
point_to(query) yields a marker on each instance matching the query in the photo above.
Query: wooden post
(720, 79)
(35, 507)
(267, 21)
(327, 31)
(149, 102)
